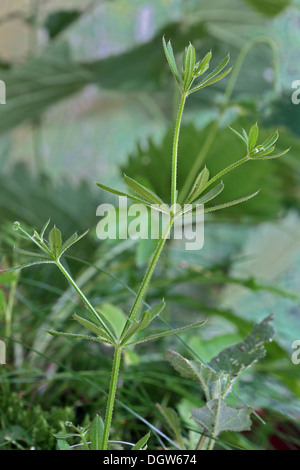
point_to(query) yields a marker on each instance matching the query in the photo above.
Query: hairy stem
(83, 298)
(111, 396)
(144, 284)
(175, 151)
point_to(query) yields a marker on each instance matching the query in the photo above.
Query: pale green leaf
(216, 416)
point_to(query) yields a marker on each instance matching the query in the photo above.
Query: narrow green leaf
(63, 445)
(44, 229)
(122, 194)
(141, 444)
(31, 253)
(188, 66)
(271, 157)
(96, 433)
(210, 82)
(271, 140)
(203, 65)
(253, 136)
(2, 301)
(142, 191)
(73, 239)
(91, 326)
(75, 336)
(55, 242)
(171, 61)
(168, 333)
(231, 203)
(214, 192)
(239, 135)
(198, 186)
(27, 265)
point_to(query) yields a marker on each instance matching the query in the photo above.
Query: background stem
(111, 396)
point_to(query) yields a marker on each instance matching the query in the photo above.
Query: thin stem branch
(111, 396)
(84, 299)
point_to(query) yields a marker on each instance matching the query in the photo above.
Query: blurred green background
(89, 97)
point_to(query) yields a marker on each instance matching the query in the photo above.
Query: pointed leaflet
(198, 186)
(231, 203)
(213, 77)
(188, 66)
(171, 61)
(239, 135)
(96, 433)
(73, 239)
(142, 191)
(175, 331)
(142, 443)
(216, 416)
(120, 193)
(203, 65)
(270, 157)
(253, 136)
(55, 242)
(92, 327)
(74, 335)
(145, 320)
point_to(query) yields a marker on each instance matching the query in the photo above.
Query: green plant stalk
(83, 297)
(111, 396)
(175, 150)
(143, 287)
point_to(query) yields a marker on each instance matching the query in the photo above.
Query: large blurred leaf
(269, 7)
(54, 74)
(275, 179)
(59, 20)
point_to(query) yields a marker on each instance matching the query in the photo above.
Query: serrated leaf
(96, 433)
(55, 242)
(142, 191)
(216, 416)
(140, 445)
(253, 136)
(211, 383)
(239, 357)
(198, 186)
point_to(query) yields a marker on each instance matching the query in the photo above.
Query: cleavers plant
(134, 330)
